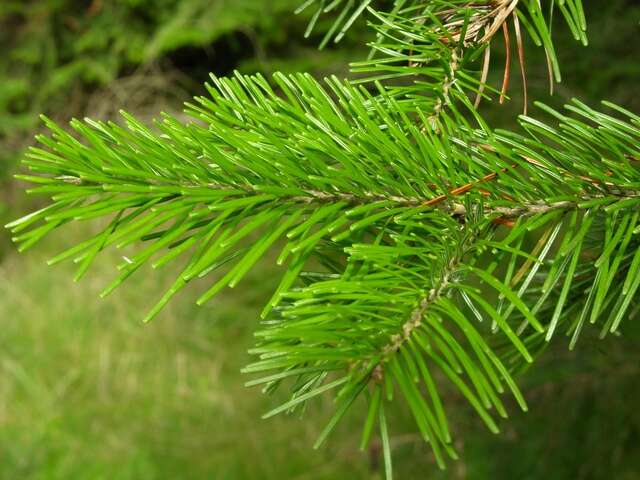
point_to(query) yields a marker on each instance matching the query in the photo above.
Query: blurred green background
(88, 392)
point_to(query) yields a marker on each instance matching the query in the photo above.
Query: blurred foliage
(60, 51)
(607, 69)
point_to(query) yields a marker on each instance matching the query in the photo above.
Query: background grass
(87, 392)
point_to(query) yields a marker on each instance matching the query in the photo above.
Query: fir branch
(408, 222)
(434, 294)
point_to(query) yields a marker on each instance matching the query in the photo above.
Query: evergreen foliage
(420, 245)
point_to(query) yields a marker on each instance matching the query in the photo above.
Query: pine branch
(435, 293)
(427, 222)
(219, 182)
